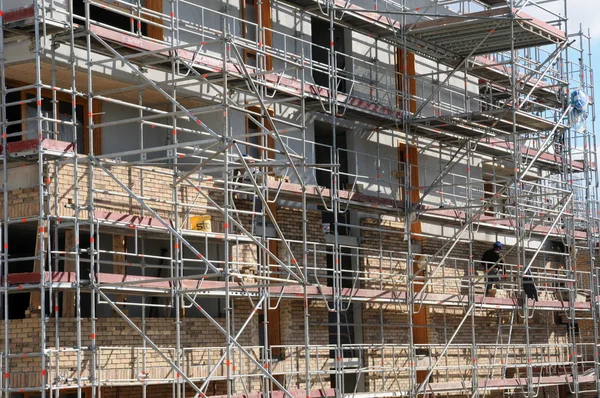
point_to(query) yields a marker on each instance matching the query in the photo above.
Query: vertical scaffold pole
(4, 130)
(226, 207)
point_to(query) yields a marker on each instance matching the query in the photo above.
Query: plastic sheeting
(579, 103)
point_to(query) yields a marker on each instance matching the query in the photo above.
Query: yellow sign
(201, 223)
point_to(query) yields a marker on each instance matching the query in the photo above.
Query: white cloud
(586, 12)
(579, 12)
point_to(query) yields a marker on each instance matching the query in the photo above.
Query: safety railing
(375, 82)
(386, 269)
(118, 365)
(378, 364)
(362, 172)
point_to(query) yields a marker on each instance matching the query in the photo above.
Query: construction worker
(494, 268)
(242, 175)
(529, 287)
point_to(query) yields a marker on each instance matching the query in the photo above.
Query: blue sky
(586, 13)
(596, 65)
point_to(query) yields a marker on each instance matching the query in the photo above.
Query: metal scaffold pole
(592, 213)
(170, 223)
(305, 258)
(4, 130)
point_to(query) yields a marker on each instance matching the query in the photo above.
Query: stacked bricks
(244, 256)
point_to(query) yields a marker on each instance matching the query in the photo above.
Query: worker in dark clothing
(529, 286)
(494, 268)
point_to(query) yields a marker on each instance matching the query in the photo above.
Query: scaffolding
(464, 119)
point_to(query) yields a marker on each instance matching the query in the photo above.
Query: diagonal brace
(267, 209)
(253, 87)
(298, 278)
(148, 340)
(155, 214)
(562, 210)
(242, 349)
(441, 355)
(153, 84)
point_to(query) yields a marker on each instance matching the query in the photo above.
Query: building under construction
(291, 198)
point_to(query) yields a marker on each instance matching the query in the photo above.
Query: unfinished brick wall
(382, 323)
(292, 338)
(385, 327)
(245, 260)
(290, 222)
(585, 324)
(119, 348)
(22, 203)
(492, 327)
(452, 277)
(383, 255)
(390, 321)
(383, 267)
(154, 185)
(385, 365)
(238, 202)
(500, 337)
(582, 265)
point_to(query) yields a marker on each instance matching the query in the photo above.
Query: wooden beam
(403, 70)
(35, 302)
(155, 32)
(119, 246)
(410, 158)
(265, 12)
(273, 316)
(68, 299)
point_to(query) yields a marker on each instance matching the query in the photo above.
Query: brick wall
(585, 324)
(388, 323)
(383, 259)
(22, 203)
(382, 323)
(120, 355)
(452, 277)
(154, 185)
(151, 184)
(292, 337)
(498, 343)
(290, 222)
(292, 312)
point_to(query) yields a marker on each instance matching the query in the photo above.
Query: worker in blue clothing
(494, 268)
